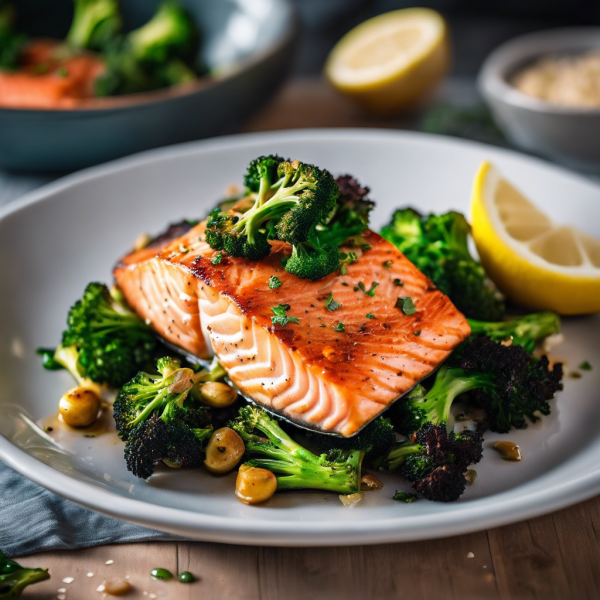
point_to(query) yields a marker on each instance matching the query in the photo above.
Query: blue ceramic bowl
(247, 45)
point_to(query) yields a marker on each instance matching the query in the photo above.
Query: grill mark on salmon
(309, 372)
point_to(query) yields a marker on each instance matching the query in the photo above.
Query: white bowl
(60, 237)
(568, 135)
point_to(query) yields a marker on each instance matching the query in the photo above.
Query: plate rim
(468, 517)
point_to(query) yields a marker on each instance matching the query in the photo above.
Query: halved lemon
(534, 261)
(392, 60)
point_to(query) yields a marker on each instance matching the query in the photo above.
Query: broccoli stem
(448, 385)
(397, 455)
(273, 208)
(524, 331)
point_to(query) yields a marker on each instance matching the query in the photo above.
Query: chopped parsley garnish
(281, 317)
(340, 327)
(406, 305)
(274, 283)
(585, 366)
(387, 264)
(365, 247)
(370, 316)
(403, 497)
(398, 282)
(216, 260)
(322, 325)
(343, 269)
(331, 304)
(417, 332)
(344, 284)
(361, 286)
(62, 72)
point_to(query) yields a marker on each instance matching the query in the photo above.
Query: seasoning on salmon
(311, 370)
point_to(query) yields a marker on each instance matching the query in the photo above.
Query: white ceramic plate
(56, 240)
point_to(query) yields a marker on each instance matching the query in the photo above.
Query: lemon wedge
(392, 60)
(535, 262)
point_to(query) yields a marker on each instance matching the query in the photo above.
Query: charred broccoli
(104, 341)
(523, 331)
(95, 24)
(14, 578)
(437, 246)
(435, 460)
(296, 468)
(159, 54)
(521, 384)
(159, 420)
(506, 381)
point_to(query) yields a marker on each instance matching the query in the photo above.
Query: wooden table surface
(554, 556)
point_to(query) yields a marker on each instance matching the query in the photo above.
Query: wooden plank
(223, 571)
(528, 562)
(133, 560)
(577, 532)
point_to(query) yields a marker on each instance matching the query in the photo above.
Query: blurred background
(476, 26)
(271, 64)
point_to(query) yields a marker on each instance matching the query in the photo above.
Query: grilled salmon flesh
(346, 360)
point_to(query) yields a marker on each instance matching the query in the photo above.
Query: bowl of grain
(544, 92)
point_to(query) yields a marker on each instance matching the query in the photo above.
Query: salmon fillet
(61, 84)
(328, 380)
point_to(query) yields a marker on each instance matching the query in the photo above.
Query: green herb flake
(216, 260)
(417, 332)
(406, 305)
(281, 318)
(365, 247)
(398, 282)
(343, 269)
(370, 316)
(387, 264)
(585, 366)
(344, 284)
(62, 72)
(274, 283)
(404, 497)
(331, 304)
(340, 327)
(370, 292)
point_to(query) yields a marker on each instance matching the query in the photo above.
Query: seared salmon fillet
(334, 370)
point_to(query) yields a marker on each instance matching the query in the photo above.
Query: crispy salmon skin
(346, 359)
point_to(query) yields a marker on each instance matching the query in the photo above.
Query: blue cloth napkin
(33, 519)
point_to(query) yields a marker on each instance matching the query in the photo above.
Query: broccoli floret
(421, 407)
(14, 578)
(296, 467)
(104, 341)
(170, 32)
(506, 381)
(313, 261)
(159, 420)
(438, 246)
(520, 384)
(11, 42)
(435, 460)
(523, 331)
(375, 439)
(95, 24)
(159, 54)
(351, 213)
(290, 199)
